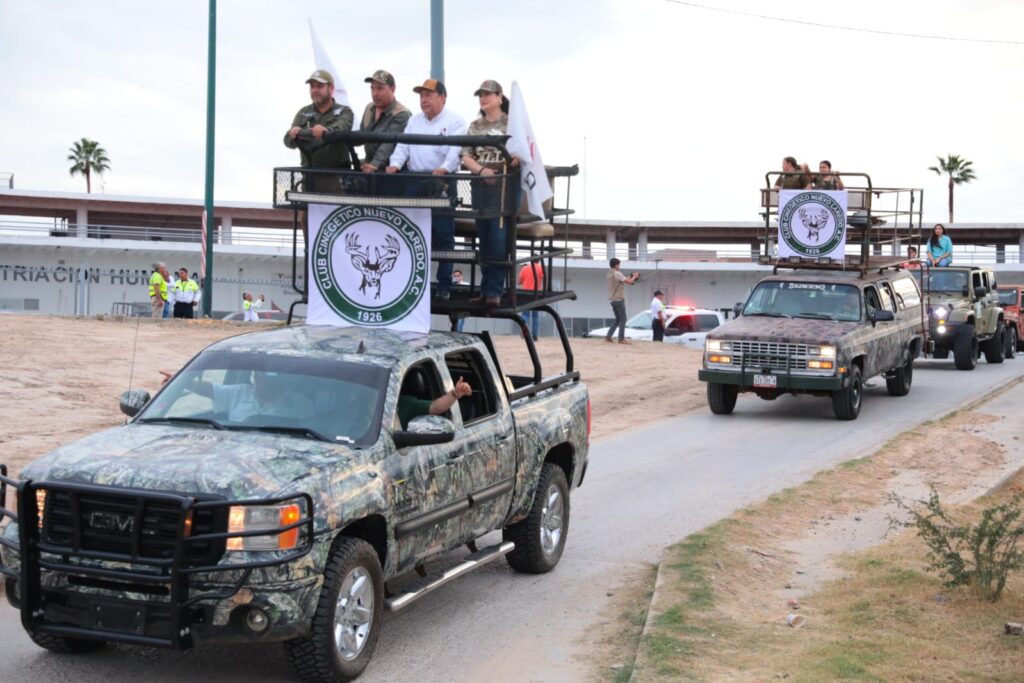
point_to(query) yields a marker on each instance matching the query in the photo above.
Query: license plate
(768, 381)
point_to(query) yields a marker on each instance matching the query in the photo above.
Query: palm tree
(89, 158)
(959, 171)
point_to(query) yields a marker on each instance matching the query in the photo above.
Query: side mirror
(881, 316)
(980, 291)
(425, 430)
(133, 400)
(737, 308)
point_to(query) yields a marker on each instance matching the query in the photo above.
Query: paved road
(645, 490)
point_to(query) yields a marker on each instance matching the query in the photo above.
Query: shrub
(979, 555)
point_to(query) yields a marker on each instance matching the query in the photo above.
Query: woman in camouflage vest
(488, 161)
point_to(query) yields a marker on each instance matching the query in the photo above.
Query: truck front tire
(722, 398)
(846, 401)
(965, 348)
(994, 347)
(540, 538)
(347, 620)
(1010, 343)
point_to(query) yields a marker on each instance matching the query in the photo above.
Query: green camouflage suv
(964, 315)
(820, 332)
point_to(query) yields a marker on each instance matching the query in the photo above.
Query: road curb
(971, 405)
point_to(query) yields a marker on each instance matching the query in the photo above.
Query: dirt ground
(64, 375)
(720, 608)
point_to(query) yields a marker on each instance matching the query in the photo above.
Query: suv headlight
(264, 518)
(940, 312)
(823, 351)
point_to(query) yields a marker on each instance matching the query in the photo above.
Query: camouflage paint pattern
(878, 348)
(347, 484)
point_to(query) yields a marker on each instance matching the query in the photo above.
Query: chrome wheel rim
(353, 614)
(855, 394)
(551, 520)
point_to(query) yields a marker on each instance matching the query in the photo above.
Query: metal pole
(211, 90)
(437, 39)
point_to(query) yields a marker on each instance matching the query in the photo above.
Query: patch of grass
(871, 563)
(854, 463)
(900, 576)
(861, 613)
(850, 660)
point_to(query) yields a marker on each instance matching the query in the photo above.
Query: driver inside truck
(412, 404)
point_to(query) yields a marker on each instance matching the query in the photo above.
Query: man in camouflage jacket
(322, 116)
(384, 114)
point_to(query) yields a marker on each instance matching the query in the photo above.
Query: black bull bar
(166, 617)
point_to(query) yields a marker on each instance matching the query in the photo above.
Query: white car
(684, 325)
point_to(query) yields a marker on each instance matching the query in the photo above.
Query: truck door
(877, 358)
(485, 435)
(430, 492)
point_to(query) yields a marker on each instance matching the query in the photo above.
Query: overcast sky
(673, 112)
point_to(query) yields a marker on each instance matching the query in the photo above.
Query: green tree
(959, 171)
(88, 158)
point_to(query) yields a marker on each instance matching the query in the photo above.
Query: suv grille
(108, 524)
(783, 357)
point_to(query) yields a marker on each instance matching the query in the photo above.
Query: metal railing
(655, 252)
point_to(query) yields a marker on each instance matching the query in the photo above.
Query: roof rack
(463, 197)
(881, 221)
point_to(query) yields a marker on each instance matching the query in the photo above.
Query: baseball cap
(321, 76)
(432, 85)
(488, 86)
(381, 76)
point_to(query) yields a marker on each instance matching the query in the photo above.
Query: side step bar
(420, 587)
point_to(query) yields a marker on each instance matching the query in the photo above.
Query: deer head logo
(372, 270)
(814, 221)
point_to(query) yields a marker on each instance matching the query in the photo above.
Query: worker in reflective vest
(186, 294)
(158, 291)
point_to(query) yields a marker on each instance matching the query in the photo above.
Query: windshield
(640, 321)
(940, 280)
(805, 300)
(311, 398)
(1007, 297)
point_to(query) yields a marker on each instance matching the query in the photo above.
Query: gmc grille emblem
(110, 521)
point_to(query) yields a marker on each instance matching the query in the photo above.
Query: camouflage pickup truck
(278, 480)
(818, 332)
(964, 314)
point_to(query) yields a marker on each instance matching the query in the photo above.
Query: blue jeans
(442, 230)
(533, 319)
(167, 309)
(492, 234)
(945, 262)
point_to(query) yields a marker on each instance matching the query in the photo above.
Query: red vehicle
(1010, 300)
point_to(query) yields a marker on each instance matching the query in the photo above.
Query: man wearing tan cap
(433, 119)
(384, 114)
(322, 116)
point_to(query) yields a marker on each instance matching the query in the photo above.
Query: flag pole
(208, 218)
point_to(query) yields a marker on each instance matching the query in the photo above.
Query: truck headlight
(716, 345)
(823, 351)
(940, 312)
(263, 518)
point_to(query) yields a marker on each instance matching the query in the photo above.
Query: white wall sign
(812, 223)
(369, 266)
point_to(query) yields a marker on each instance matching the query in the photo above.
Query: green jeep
(964, 315)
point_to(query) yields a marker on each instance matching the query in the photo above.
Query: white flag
(523, 145)
(322, 61)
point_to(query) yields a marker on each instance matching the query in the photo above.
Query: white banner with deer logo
(812, 223)
(369, 266)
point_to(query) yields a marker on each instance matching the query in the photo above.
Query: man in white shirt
(439, 160)
(184, 294)
(658, 315)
